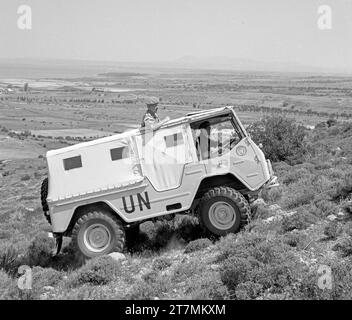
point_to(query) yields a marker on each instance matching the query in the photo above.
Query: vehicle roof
(126, 135)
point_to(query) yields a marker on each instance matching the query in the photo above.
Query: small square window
(73, 163)
(118, 153)
(173, 140)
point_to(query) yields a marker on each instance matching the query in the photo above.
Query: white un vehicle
(98, 192)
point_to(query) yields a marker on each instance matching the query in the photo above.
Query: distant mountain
(228, 63)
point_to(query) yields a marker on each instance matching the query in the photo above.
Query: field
(299, 227)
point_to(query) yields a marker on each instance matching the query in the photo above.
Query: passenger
(204, 144)
(151, 119)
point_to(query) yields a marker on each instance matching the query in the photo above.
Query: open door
(163, 155)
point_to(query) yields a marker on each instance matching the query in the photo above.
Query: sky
(162, 30)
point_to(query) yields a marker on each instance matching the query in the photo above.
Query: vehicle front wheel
(97, 233)
(223, 210)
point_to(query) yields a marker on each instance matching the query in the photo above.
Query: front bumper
(272, 183)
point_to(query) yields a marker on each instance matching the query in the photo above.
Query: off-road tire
(43, 195)
(228, 198)
(115, 243)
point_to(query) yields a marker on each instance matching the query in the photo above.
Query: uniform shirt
(149, 119)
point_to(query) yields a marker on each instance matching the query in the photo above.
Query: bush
(42, 277)
(324, 208)
(248, 290)
(142, 290)
(41, 250)
(188, 228)
(97, 271)
(295, 175)
(25, 177)
(206, 286)
(332, 230)
(198, 244)
(8, 258)
(5, 283)
(161, 263)
(307, 287)
(299, 197)
(272, 195)
(344, 188)
(164, 232)
(254, 264)
(282, 138)
(300, 220)
(344, 247)
(296, 239)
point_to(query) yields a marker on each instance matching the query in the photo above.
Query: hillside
(299, 231)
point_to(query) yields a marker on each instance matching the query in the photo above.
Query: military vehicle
(205, 163)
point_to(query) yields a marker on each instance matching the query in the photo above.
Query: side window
(225, 132)
(119, 153)
(173, 140)
(72, 163)
(215, 136)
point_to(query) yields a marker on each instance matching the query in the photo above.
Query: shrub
(8, 258)
(5, 282)
(97, 271)
(299, 197)
(164, 231)
(308, 288)
(332, 230)
(299, 220)
(41, 250)
(142, 290)
(161, 263)
(5, 234)
(324, 208)
(198, 244)
(254, 263)
(347, 228)
(25, 177)
(344, 188)
(188, 228)
(45, 277)
(272, 195)
(248, 290)
(296, 239)
(206, 286)
(282, 138)
(295, 175)
(186, 270)
(344, 246)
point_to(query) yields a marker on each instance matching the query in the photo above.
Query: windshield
(216, 136)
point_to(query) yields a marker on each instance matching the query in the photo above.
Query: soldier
(151, 119)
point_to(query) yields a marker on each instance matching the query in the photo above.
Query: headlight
(241, 151)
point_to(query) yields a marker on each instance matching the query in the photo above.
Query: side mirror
(260, 146)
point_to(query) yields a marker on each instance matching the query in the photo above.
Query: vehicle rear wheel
(97, 233)
(43, 195)
(223, 210)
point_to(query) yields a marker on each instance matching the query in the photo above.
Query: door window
(216, 136)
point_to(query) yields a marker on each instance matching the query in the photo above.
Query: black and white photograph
(188, 152)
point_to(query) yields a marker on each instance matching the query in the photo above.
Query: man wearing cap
(151, 119)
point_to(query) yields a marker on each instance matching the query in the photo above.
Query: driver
(204, 143)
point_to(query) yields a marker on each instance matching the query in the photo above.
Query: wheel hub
(97, 237)
(222, 215)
